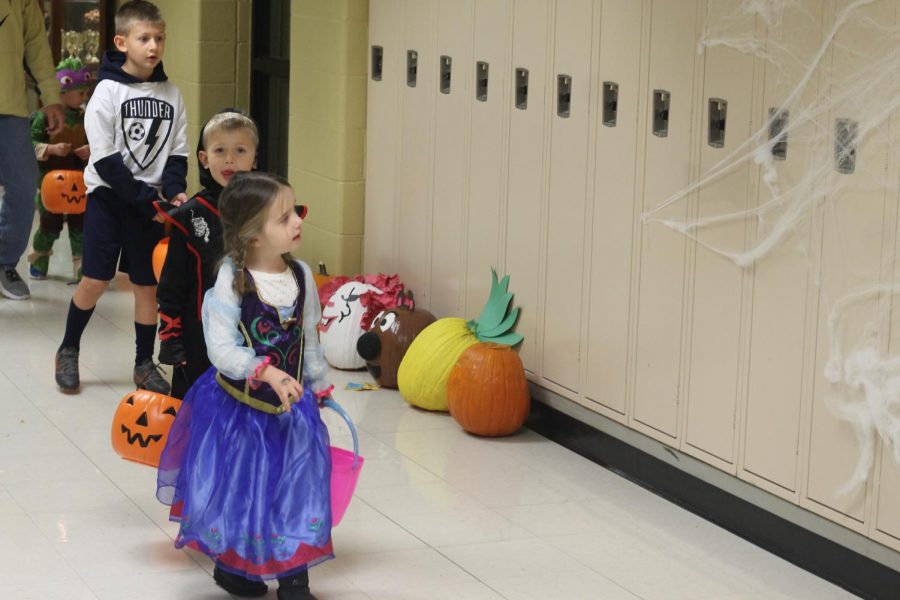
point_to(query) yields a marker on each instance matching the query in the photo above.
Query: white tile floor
(438, 514)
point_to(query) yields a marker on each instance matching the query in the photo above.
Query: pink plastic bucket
(345, 468)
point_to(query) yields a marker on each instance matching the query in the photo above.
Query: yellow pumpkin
(63, 192)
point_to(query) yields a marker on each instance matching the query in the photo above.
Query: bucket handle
(330, 403)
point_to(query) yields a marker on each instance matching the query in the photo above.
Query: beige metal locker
(851, 256)
(717, 307)
(569, 136)
(418, 83)
(887, 524)
(489, 73)
(666, 172)
(527, 178)
(382, 135)
(451, 144)
(782, 320)
(619, 102)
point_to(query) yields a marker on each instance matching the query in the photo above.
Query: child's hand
(60, 149)
(179, 199)
(83, 152)
(284, 385)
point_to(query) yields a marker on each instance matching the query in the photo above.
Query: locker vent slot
(481, 81)
(718, 110)
(778, 120)
(845, 133)
(412, 67)
(610, 103)
(521, 88)
(377, 62)
(446, 63)
(661, 101)
(563, 95)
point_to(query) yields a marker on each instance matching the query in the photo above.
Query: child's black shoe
(239, 586)
(295, 588)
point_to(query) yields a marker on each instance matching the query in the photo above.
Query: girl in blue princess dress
(246, 468)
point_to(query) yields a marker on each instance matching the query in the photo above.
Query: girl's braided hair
(243, 209)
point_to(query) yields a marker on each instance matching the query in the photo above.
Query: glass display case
(79, 28)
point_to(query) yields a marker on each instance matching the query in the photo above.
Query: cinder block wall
(328, 127)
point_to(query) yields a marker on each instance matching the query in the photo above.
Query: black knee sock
(75, 324)
(144, 340)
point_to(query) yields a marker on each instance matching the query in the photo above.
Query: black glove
(172, 352)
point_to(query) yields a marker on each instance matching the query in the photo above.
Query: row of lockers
(532, 135)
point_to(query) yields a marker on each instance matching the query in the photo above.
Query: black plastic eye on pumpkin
(130, 400)
(169, 411)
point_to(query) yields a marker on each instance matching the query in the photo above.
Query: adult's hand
(55, 119)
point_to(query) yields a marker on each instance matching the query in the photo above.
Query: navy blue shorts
(117, 235)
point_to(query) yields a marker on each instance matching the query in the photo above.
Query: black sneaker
(239, 586)
(67, 370)
(12, 286)
(295, 588)
(147, 376)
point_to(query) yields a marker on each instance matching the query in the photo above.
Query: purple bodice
(281, 341)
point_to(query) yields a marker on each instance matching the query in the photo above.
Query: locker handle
(845, 139)
(563, 95)
(412, 67)
(446, 63)
(778, 120)
(717, 113)
(377, 62)
(521, 88)
(481, 80)
(661, 102)
(610, 103)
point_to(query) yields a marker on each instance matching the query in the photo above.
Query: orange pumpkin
(141, 425)
(63, 192)
(487, 392)
(159, 257)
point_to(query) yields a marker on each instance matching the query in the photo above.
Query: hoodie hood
(111, 68)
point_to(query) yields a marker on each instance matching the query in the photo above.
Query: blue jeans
(19, 178)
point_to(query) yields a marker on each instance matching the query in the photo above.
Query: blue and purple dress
(248, 483)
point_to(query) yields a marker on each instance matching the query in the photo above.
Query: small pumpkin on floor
(487, 392)
(141, 425)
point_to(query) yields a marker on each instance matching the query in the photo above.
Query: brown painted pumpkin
(159, 257)
(487, 392)
(141, 425)
(63, 192)
(389, 337)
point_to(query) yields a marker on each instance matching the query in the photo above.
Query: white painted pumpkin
(343, 322)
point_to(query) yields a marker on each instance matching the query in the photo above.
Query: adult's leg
(18, 176)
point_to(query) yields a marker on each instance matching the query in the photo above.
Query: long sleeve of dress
(314, 365)
(227, 349)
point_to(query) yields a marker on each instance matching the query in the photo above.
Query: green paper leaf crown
(496, 319)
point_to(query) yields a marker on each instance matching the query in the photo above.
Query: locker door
(527, 178)
(453, 102)
(717, 309)
(489, 73)
(569, 135)
(666, 171)
(851, 253)
(619, 104)
(418, 83)
(776, 391)
(382, 135)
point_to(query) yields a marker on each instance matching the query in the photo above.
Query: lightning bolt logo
(152, 137)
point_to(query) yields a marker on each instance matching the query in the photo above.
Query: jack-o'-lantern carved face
(141, 425)
(63, 192)
(386, 342)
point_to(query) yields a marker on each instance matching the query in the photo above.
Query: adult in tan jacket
(23, 43)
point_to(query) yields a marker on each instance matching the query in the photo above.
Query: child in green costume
(65, 150)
